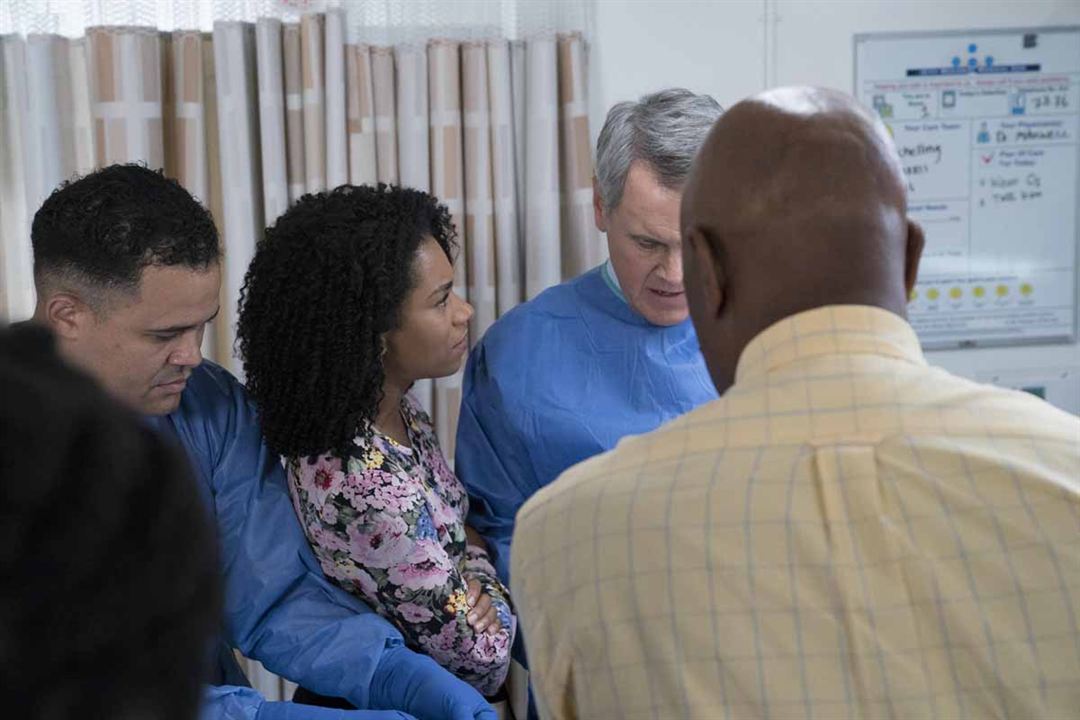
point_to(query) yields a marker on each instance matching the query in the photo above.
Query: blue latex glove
(228, 702)
(417, 684)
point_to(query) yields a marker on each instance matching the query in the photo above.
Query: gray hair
(664, 130)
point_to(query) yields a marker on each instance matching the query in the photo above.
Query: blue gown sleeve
(279, 608)
(491, 459)
(229, 702)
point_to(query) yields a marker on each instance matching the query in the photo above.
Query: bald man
(846, 532)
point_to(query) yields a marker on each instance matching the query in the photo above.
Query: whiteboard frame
(1071, 337)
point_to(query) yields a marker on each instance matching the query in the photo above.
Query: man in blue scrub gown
(126, 267)
(608, 354)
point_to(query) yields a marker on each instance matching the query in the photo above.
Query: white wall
(638, 46)
(734, 48)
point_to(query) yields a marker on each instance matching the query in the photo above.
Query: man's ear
(915, 243)
(707, 270)
(598, 207)
(67, 314)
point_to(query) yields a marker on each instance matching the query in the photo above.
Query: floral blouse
(388, 525)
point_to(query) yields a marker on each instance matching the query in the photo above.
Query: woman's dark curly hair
(328, 279)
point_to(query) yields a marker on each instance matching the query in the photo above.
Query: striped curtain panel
(252, 116)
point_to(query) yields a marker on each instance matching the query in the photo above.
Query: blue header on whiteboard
(963, 70)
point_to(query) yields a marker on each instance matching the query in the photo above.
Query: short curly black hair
(100, 230)
(108, 560)
(327, 281)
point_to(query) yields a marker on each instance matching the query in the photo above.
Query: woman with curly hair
(349, 301)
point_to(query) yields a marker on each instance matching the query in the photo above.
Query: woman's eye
(444, 301)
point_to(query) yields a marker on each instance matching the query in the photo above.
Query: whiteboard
(987, 124)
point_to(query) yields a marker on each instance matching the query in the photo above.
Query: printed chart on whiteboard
(987, 126)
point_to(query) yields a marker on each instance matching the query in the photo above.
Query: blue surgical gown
(279, 608)
(557, 380)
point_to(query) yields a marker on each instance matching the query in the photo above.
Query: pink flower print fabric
(387, 524)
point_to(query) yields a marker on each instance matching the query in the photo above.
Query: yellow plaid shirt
(846, 533)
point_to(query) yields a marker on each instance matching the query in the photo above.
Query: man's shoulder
(517, 353)
(971, 406)
(210, 381)
(635, 458)
(556, 303)
(216, 412)
(212, 394)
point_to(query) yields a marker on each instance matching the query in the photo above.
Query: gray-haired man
(608, 354)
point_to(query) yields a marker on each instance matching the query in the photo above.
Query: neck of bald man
(847, 287)
(809, 274)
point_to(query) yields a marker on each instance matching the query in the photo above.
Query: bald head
(796, 201)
